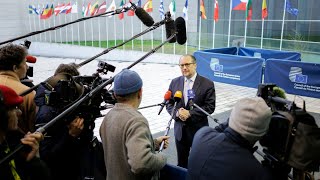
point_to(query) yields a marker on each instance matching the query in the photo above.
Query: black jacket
(223, 155)
(35, 169)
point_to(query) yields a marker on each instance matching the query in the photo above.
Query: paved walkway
(156, 79)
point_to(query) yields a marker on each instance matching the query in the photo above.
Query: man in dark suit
(188, 121)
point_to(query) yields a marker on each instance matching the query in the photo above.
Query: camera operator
(13, 67)
(226, 152)
(63, 146)
(25, 165)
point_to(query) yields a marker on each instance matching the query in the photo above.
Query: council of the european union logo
(215, 66)
(295, 75)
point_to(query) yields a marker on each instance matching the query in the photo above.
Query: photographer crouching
(66, 144)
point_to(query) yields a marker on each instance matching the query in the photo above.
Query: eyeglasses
(186, 65)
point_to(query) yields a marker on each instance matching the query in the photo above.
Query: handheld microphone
(167, 97)
(31, 59)
(143, 15)
(191, 96)
(180, 25)
(177, 97)
(170, 28)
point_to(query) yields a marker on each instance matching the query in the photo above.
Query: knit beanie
(127, 82)
(250, 117)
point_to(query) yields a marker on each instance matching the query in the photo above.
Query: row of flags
(243, 5)
(95, 9)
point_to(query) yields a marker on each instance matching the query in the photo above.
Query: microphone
(177, 97)
(191, 96)
(180, 25)
(143, 15)
(170, 28)
(167, 97)
(31, 59)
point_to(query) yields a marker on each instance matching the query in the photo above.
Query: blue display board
(267, 54)
(238, 70)
(294, 77)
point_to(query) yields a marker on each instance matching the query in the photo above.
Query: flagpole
(34, 24)
(107, 29)
(141, 38)
(54, 24)
(132, 32)
(283, 18)
(71, 19)
(60, 28)
(152, 37)
(44, 26)
(40, 23)
(50, 36)
(91, 32)
(84, 23)
(199, 33)
(85, 32)
(214, 33)
(123, 47)
(30, 20)
(162, 48)
(229, 28)
(99, 26)
(245, 33)
(115, 31)
(78, 29)
(65, 21)
(262, 29)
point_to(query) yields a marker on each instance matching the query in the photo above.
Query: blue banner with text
(238, 70)
(294, 77)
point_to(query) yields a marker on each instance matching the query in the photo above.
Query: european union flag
(218, 68)
(291, 10)
(300, 78)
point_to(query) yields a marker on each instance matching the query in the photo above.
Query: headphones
(3, 114)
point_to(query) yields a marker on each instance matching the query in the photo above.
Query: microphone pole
(153, 27)
(177, 98)
(109, 13)
(191, 96)
(87, 97)
(161, 104)
(205, 112)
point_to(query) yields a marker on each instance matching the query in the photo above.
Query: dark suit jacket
(205, 97)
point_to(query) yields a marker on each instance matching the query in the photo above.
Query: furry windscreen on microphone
(170, 29)
(144, 17)
(180, 25)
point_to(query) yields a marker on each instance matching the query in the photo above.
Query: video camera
(66, 89)
(293, 138)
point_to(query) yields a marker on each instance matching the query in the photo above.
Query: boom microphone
(143, 15)
(167, 97)
(31, 59)
(170, 28)
(180, 25)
